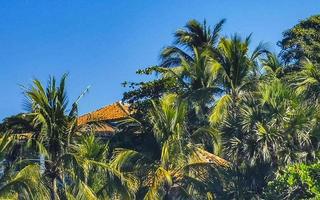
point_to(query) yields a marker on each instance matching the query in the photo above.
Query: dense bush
(298, 181)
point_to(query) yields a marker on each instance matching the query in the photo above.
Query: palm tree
(307, 81)
(238, 69)
(74, 167)
(192, 44)
(272, 65)
(191, 64)
(194, 36)
(23, 184)
(184, 169)
(95, 175)
(183, 164)
(49, 109)
(272, 128)
(197, 79)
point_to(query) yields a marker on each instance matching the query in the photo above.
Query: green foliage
(272, 65)
(307, 81)
(191, 44)
(27, 184)
(302, 41)
(237, 64)
(220, 121)
(20, 123)
(267, 129)
(298, 181)
(93, 175)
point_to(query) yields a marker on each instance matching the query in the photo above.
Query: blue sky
(102, 43)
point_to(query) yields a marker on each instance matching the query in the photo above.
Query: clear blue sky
(102, 43)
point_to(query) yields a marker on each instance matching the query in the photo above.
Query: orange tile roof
(116, 111)
(109, 113)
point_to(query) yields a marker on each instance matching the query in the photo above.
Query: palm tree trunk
(53, 189)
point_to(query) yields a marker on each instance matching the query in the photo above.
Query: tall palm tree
(72, 164)
(197, 79)
(194, 36)
(57, 122)
(189, 59)
(238, 70)
(190, 42)
(237, 63)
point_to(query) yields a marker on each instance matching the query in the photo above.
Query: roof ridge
(111, 112)
(99, 109)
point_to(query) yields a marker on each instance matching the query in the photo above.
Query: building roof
(113, 112)
(109, 113)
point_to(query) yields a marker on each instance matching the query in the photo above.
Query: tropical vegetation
(221, 120)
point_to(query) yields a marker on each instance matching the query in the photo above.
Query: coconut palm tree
(182, 163)
(49, 109)
(96, 176)
(191, 43)
(197, 79)
(192, 65)
(194, 36)
(272, 65)
(72, 164)
(238, 71)
(23, 184)
(307, 81)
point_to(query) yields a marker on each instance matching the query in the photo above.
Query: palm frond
(220, 109)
